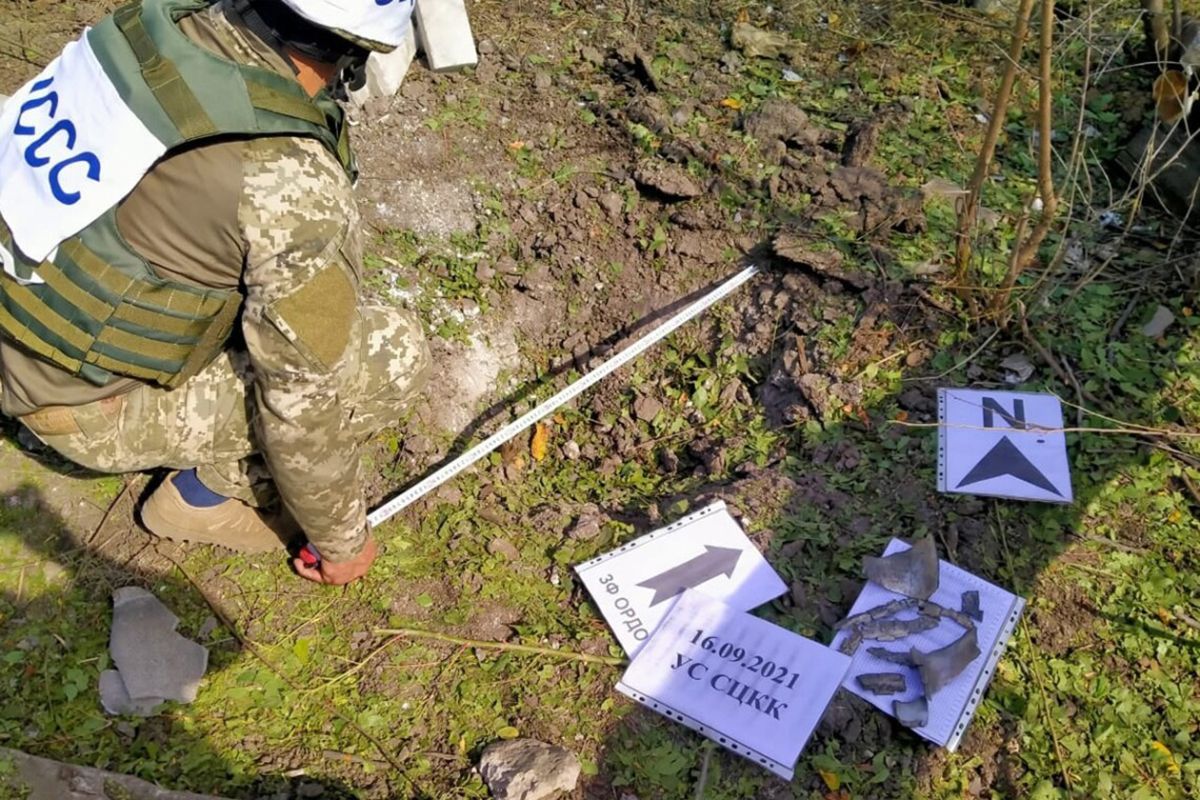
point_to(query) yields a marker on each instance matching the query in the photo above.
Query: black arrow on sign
(712, 562)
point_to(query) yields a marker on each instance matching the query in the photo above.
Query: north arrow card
(751, 686)
(1002, 444)
(634, 585)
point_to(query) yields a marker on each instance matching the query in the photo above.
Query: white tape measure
(437, 478)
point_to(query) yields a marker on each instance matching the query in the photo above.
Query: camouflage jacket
(274, 217)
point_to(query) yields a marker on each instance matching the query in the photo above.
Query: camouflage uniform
(317, 372)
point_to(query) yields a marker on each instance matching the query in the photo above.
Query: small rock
(484, 272)
(571, 450)
(612, 204)
(503, 547)
(1158, 324)
(542, 81)
(646, 408)
(670, 181)
(757, 43)
(1020, 368)
(526, 769)
(307, 789)
(591, 55)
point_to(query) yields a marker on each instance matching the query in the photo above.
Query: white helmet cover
(383, 22)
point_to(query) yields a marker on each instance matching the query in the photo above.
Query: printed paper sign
(752, 687)
(1002, 444)
(635, 584)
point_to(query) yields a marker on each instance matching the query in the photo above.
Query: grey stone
(42, 779)
(154, 660)
(115, 699)
(1158, 324)
(646, 408)
(526, 769)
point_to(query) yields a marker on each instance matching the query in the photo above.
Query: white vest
(70, 149)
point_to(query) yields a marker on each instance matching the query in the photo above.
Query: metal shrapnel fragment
(970, 605)
(913, 714)
(889, 630)
(878, 612)
(891, 656)
(931, 609)
(849, 645)
(913, 573)
(882, 682)
(939, 667)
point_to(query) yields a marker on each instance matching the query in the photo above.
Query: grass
(1095, 698)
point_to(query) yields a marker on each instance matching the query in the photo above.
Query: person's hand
(337, 573)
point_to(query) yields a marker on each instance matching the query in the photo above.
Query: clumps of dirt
(832, 169)
(668, 181)
(819, 256)
(780, 126)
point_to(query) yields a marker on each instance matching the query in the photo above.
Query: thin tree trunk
(983, 163)
(1157, 24)
(1027, 250)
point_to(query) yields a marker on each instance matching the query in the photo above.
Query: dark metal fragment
(939, 667)
(913, 714)
(892, 656)
(913, 573)
(882, 682)
(850, 644)
(878, 612)
(970, 605)
(889, 630)
(932, 609)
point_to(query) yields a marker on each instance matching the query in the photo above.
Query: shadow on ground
(62, 557)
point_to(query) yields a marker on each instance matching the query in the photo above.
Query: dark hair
(274, 21)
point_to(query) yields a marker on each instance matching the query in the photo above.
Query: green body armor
(102, 311)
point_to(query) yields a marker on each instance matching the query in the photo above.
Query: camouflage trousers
(208, 422)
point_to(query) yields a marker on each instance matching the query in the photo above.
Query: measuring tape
(548, 407)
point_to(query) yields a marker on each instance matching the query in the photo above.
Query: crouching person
(182, 267)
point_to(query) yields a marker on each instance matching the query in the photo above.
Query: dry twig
(566, 655)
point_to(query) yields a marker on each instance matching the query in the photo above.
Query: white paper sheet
(751, 686)
(635, 585)
(1002, 444)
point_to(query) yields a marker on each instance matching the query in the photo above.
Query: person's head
(328, 41)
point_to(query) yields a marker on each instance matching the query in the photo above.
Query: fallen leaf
(743, 16)
(517, 145)
(508, 732)
(831, 779)
(541, 441)
(1164, 616)
(902, 416)
(732, 102)
(1170, 95)
(1165, 752)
